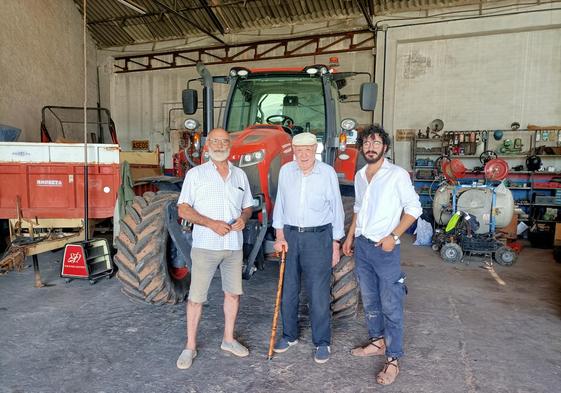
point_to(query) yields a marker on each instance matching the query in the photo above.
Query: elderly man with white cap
(309, 219)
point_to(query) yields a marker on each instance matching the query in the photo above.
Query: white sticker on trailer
(49, 183)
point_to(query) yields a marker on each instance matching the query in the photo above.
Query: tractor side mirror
(368, 95)
(189, 99)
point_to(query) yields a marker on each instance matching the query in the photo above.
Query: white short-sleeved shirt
(379, 204)
(212, 196)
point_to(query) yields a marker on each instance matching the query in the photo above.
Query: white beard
(219, 155)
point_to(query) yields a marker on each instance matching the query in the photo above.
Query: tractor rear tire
(345, 292)
(144, 249)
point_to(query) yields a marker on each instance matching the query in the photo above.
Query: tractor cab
(264, 109)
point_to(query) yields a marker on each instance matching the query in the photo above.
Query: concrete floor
(464, 333)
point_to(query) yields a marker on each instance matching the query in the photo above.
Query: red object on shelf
(496, 169)
(453, 169)
(550, 184)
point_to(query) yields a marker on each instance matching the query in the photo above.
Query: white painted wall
(41, 61)
(474, 74)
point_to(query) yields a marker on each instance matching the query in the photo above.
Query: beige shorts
(205, 263)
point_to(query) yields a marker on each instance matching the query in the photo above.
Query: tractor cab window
(295, 102)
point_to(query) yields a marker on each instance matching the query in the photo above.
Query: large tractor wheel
(144, 250)
(345, 292)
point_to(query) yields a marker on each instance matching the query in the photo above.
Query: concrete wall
(140, 101)
(474, 74)
(41, 61)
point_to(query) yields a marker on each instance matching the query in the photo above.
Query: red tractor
(264, 110)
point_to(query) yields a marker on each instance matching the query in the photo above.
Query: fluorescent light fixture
(133, 6)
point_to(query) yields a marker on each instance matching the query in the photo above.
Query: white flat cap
(304, 139)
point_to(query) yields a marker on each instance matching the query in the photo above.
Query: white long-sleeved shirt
(379, 205)
(212, 196)
(309, 201)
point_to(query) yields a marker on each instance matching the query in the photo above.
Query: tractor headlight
(252, 158)
(348, 124)
(191, 124)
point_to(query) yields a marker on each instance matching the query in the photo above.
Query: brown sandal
(374, 348)
(387, 378)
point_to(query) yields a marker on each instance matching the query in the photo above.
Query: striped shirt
(309, 201)
(212, 196)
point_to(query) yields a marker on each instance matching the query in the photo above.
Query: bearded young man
(216, 198)
(386, 204)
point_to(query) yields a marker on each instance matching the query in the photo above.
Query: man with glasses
(308, 218)
(216, 198)
(386, 204)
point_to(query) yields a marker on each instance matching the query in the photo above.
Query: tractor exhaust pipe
(208, 98)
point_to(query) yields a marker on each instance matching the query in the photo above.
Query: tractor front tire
(144, 249)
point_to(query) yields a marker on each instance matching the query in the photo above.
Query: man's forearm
(187, 212)
(246, 213)
(352, 227)
(406, 221)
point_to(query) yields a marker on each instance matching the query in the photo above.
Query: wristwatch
(395, 237)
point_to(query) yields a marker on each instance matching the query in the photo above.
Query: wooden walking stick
(277, 305)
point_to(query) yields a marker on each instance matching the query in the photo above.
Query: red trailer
(42, 191)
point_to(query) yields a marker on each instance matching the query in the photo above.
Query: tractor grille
(252, 173)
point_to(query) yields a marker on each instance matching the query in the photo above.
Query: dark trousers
(309, 255)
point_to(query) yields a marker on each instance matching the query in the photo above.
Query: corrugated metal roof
(112, 23)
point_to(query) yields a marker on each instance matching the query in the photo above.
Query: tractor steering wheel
(285, 120)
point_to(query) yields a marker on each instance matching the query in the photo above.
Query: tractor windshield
(296, 102)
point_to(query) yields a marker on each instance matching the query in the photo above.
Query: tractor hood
(270, 139)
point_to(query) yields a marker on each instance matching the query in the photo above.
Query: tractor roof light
(239, 71)
(311, 70)
(317, 68)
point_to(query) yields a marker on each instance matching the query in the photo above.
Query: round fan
(436, 125)
(496, 169)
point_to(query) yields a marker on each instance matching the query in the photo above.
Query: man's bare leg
(231, 306)
(194, 312)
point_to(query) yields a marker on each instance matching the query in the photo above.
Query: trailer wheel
(451, 253)
(505, 256)
(345, 292)
(144, 252)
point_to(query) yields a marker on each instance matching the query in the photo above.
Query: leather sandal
(374, 348)
(385, 377)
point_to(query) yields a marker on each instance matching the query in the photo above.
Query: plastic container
(9, 133)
